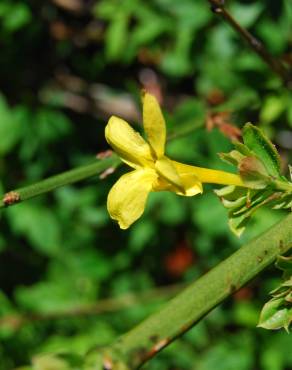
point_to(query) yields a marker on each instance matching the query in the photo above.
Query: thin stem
(51, 183)
(143, 342)
(218, 7)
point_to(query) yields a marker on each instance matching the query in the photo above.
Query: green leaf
(275, 315)
(260, 145)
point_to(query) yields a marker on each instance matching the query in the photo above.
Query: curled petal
(127, 198)
(167, 171)
(128, 143)
(191, 182)
(154, 124)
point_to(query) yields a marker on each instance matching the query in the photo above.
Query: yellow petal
(207, 175)
(167, 170)
(128, 143)
(154, 124)
(127, 198)
(191, 183)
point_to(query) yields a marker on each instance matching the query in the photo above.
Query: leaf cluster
(258, 163)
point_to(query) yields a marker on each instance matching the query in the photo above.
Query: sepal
(258, 164)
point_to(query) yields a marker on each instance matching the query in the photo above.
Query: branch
(65, 178)
(143, 342)
(218, 7)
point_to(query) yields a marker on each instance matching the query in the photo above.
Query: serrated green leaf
(262, 147)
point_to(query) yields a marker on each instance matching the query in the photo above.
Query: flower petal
(191, 183)
(154, 124)
(128, 143)
(167, 170)
(127, 198)
(207, 175)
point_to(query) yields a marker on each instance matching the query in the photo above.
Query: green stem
(143, 342)
(51, 183)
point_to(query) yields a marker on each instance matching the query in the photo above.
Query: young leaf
(275, 315)
(262, 147)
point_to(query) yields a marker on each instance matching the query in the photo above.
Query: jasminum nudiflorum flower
(152, 170)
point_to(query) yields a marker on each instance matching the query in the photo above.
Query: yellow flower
(153, 171)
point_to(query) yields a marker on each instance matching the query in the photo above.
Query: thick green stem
(51, 183)
(143, 342)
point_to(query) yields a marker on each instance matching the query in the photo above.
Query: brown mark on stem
(156, 348)
(11, 198)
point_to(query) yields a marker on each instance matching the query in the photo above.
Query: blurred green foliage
(64, 69)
